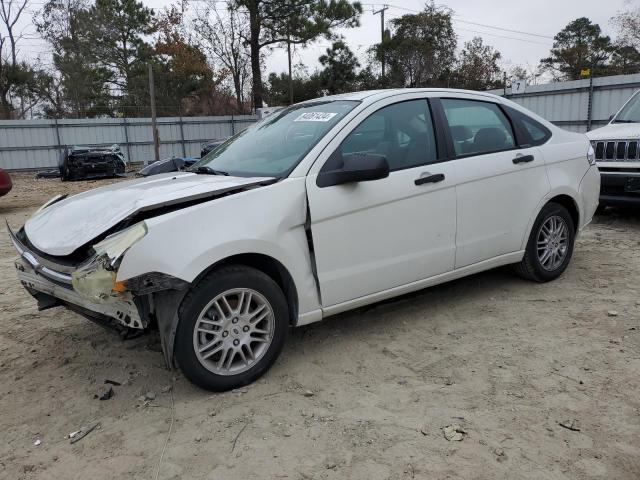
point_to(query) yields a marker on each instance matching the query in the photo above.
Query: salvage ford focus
(322, 207)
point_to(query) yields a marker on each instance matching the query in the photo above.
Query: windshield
(630, 113)
(274, 146)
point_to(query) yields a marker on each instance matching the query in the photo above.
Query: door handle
(523, 159)
(438, 177)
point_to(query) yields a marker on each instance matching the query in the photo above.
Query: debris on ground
(112, 382)
(500, 455)
(105, 394)
(572, 425)
(308, 393)
(612, 313)
(37, 442)
(83, 432)
(48, 174)
(150, 396)
(166, 389)
(425, 430)
(454, 433)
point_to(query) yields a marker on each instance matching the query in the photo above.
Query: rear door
(501, 178)
(376, 235)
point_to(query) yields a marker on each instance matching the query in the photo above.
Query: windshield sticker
(315, 117)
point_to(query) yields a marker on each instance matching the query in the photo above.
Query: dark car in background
(5, 183)
(81, 163)
(211, 146)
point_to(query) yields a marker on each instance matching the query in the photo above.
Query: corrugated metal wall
(35, 144)
(567, 104)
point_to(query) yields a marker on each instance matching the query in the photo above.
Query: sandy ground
(362, 395)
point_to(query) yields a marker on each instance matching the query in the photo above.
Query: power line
(466, 21)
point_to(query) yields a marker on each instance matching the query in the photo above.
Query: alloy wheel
(552, 242)
(233, 331)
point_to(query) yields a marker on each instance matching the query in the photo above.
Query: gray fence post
(184, 151)
(126, 138)
(233, 126)
(58, 143)
(590, 104)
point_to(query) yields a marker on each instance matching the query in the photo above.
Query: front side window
(402, 133)
(275, 145)
(477, 127)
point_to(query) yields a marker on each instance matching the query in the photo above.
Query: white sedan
(322, 207)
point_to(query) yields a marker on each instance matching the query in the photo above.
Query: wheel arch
(564, 198)
(570, 204)
(270, 267)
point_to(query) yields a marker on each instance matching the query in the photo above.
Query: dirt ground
(362, 395)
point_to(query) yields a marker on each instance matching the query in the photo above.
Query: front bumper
(51, 286)
(620, 187)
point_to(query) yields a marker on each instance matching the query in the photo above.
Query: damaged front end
(91, 288)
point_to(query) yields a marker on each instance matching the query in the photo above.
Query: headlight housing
(96, 278)
(591, 155)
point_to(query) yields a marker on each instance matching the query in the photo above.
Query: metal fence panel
(567, 103)
(36, 144)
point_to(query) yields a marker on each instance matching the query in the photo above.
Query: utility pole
(156, 139)
(381, 12)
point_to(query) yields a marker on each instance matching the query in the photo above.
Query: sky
(523, 36)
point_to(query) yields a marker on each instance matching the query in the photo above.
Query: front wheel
(232, 328)
(550, 245)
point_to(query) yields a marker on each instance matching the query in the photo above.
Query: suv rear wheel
(232, 328)
(550, 245)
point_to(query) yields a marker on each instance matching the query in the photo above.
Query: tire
(222, 327)
(533, 267)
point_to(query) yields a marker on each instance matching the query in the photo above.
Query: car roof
(374, 95)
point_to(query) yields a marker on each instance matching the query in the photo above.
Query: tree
(180, 67)
(80, 85)
(626, 55)
(273, 22)
(340, 64)
(478, 67)
(223, 38)
(119, 28)
(305, 87)
(579, 46)
(628, 26)
(13, 74)
(421, 50)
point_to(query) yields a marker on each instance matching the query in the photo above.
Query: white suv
(617, 150)
(322, 207)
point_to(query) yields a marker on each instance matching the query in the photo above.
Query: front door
(372, 236)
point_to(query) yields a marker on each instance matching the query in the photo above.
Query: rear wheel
(550, 245)
(232, 328)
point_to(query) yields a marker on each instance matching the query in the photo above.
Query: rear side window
(477, 127)
(532, 131)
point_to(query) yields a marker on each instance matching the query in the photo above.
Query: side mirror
(357, 167)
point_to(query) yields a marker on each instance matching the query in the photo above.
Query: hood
(616, 131)
(67, 225)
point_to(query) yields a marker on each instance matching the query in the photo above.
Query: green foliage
(299, 22)
(477, 67)
(579, 45)
(340, 64)
(305, 87)
(81, 82)
(421, 50)
(118, 28)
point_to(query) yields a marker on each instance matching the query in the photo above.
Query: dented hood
(67, 225)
